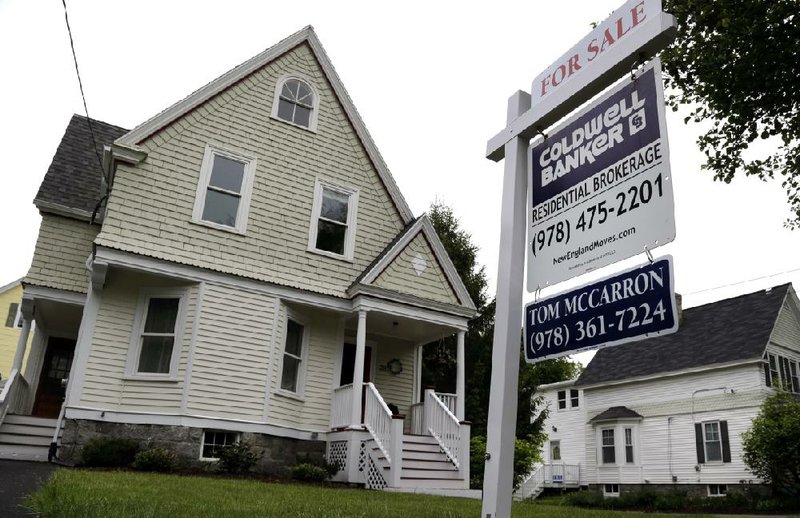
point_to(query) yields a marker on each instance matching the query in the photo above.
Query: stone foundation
(276, 454)
(694, 490)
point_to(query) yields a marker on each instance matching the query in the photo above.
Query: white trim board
(192, 421)
(305, 35)
(55, 295)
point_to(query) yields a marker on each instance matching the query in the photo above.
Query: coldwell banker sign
(632, 305)
(601, 189)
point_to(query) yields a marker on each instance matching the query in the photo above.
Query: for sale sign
(601, 189)
(633, 305)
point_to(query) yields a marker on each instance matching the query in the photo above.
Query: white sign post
(524, 122)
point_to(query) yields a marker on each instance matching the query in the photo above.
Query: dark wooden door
(56, 367)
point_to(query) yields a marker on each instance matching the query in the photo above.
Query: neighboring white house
(669, 412)
(240, 266)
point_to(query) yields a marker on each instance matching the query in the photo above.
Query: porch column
(460, 390)
(22, 342)
(358, 368)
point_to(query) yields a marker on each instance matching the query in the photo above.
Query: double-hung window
(223, 192)
(153, 352)
(712, 442)
(628, 445)
(294, 355)
(574, 398)
(562, 399)
(608, 446)
(333, 221)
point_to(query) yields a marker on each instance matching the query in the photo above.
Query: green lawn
(81, 493)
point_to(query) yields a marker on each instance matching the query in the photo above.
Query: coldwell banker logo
(602, 136)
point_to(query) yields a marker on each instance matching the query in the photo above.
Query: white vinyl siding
(151, 209)
(397, 389)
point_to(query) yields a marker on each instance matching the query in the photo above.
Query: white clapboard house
(242, 266)
(668, 412)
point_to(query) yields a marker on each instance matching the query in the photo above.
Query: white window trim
(611, 493)
(719, 494)
(203, 443)
(247, 188)
(134, 347)
(352, 213)
(602, 446)
(705, 451)
(571, 406)
(301, 374)
(558, 443)
(620, 457)
(312, 122)
(558, 400)
(19, 317)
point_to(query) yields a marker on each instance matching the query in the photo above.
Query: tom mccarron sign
(601, 188)
(633, 305)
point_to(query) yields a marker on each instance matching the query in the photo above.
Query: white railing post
(466, 427)
(358, 369)
(396, 464)
(427, 408)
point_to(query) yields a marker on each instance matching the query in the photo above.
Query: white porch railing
(378, 420)
(14, 393)
(449, 400)
(548, 475)
(417, 419)
(443, 425)
(342, 406)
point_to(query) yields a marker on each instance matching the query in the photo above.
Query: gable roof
(421, 225)
(614, 413)
(726, 331)
(73, 182)
(308, 36)
(10, 285)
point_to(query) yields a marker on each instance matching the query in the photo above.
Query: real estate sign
(601, 189)
(632, 305)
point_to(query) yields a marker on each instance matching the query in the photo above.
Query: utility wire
(742, 282)
(80, 84)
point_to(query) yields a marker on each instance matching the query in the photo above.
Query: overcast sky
(430, 79)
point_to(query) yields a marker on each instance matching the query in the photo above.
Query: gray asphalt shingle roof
(73, 178)
(615, 412)
(724, 331)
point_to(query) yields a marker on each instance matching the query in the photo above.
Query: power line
(742, 282)
(80, 84)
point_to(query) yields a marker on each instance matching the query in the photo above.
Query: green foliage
(307, 472)
(237, 458)
(772, 444)
(525, 455)
(736, 65)
(157, 459)
(109, 452)
(584, 499)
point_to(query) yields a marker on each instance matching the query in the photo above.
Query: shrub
(307, 472)
(237, 458)
(157, 459)
(671, 502)
(477, 460)
(584, 499)
(643, 499)
(525, 455)
(109, 452)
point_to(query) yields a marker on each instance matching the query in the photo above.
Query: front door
(56, 367)
(348, 367)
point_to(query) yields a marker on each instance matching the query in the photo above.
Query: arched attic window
(296, 103)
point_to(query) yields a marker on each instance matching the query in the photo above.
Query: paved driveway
(17, 480)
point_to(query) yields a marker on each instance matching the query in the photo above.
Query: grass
(85, 494)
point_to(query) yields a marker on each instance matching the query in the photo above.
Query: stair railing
(342, 406)
(13, 395)
(445, 427)
(386, 429)
(532, 485)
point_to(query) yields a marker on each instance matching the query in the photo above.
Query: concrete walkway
(18, 479)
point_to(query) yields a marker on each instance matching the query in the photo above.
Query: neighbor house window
(608, 447)
(562, 399)
(780, 371)
(13, 314)
(712, 441)
(717, 489)
(296, 103)
(629, 445)
(294, 351)
(156, 337)
(214, 441)
(574, 398)
(223, 192)
(555, 450)
(611, 489)
(333, 221)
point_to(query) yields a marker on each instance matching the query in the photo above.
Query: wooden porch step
(30, 420)
(22, 452)
(433, 483)
(24, 439)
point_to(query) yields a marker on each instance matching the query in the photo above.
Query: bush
(584, 499)
(157, 459)
(637, 500)
(671, 502)
(307, 472)
(237, 458)
(477, 460)
(109, 452)
(525, 455)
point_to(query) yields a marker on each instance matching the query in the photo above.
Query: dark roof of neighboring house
(615, 412)
(724, 331)
(73, 178)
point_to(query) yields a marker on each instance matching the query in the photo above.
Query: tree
(736, 64)
(772, 444)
